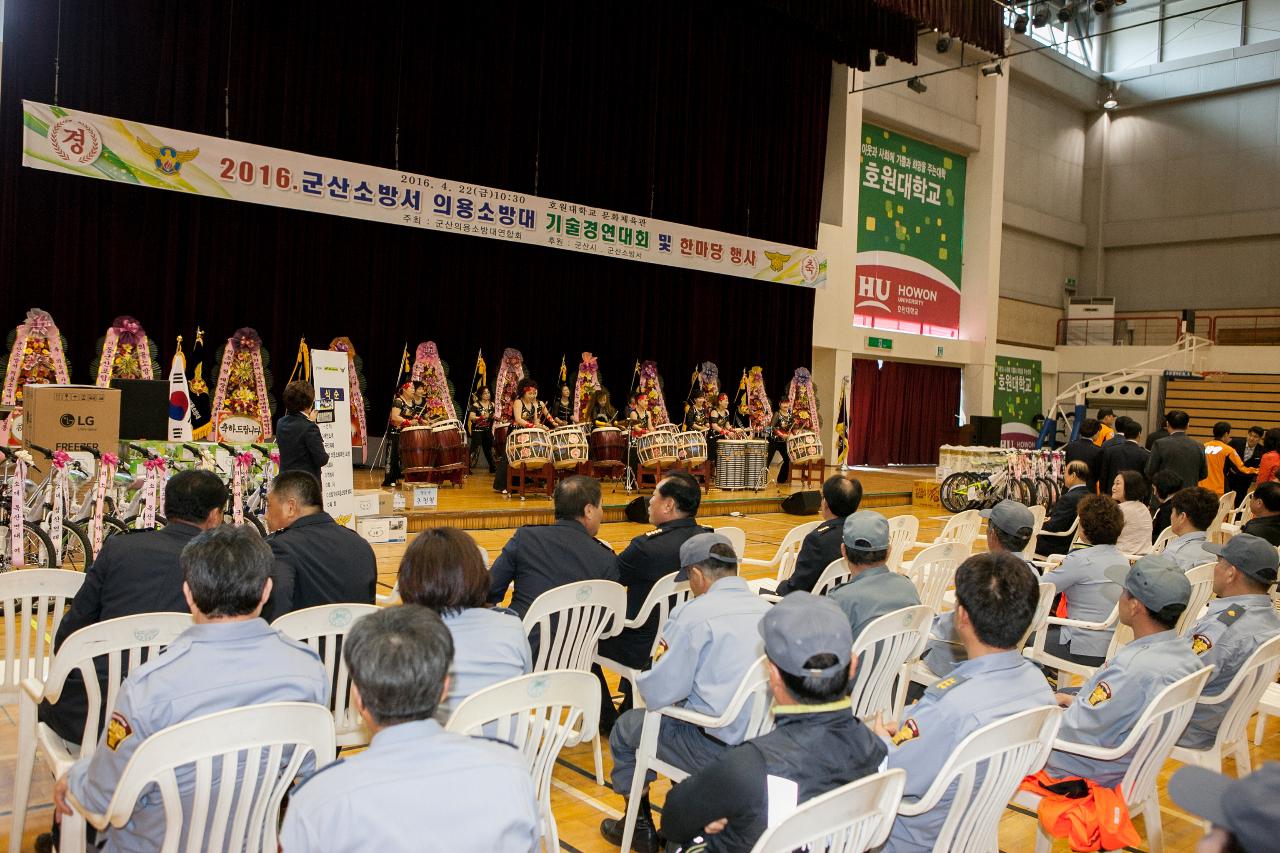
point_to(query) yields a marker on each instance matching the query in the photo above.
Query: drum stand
(629, 475)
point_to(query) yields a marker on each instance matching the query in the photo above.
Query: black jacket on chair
(301, 447)
(1061, 517)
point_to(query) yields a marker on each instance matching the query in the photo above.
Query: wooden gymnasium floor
(579, 804)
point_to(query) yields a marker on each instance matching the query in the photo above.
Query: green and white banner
(910, 235)
(1018, 399)
(106, 148)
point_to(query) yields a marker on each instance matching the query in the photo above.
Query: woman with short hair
(1129, 489)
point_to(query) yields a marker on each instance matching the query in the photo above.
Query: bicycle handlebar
(94, 452)
(142, 451)
(43, 451)
(197, 451)
(263, 450)
(227, 448)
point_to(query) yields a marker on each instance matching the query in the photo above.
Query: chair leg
(1259, 726)
(599, 757)
(1043, 842)
(647, 747)
(551, 835)
(25, 769)
(72, 834)
(1155, 830)
(1244, 763)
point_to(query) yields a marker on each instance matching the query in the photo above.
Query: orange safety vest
(1099, 820)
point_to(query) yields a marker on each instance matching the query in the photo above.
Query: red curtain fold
(899, 412)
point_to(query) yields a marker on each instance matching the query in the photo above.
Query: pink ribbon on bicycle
(153, 471)
(17, 498)
(106, 470)
(239, 467)
(61, 493)
(274, 468)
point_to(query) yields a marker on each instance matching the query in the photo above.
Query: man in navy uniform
(415, 780)
(708, 644)
(229, 658)
(840, 498)
(542, 557)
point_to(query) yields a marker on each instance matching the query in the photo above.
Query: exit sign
(879, 343)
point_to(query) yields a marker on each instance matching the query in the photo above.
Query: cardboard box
(70, 417)
(378, 529)
(372, 502)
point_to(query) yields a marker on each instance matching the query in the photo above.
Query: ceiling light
(1110, 102)
(1041, 16)
(881, 59)
(1101, 6)
(995, 69)
(917, 85)
(1020, 23)
(944, 44)
(1067, 12)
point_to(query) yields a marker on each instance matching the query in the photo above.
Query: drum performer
(526, 413)
(639, 422)
(403, 413)
(696, 418)
(718, 425)
(480, 419)
(782, 428)
(602, 413)
(562, 411)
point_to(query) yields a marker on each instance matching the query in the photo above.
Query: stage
(475, 506)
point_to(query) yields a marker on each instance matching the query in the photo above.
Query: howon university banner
(1018, 399)
(93, 146)
(910, 235)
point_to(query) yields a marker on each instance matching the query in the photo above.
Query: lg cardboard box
(372, 502)
(377, 529)
(71, 418)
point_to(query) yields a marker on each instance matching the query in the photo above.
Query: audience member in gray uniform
(1178, 452)
(318, 561)
(817, 744)
(995, 600)
(441, 569)
(1243, 811)
(1104, 711)
(840, 498)
(228, 659)
(708, 644)
(1082, 579)
(872, 590)
(1009, 529)
(1193, 511)
(541, 557)
(417, 787)
(1239, 620)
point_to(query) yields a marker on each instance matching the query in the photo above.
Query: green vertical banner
(910, 235)
(1018, 400)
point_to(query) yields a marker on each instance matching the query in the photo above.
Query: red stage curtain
(900, 411)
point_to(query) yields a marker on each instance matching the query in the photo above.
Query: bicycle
(34, 548)
(53, 508)
(1029, 477)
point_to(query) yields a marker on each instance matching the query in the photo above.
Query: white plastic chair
(1268, 706)
(393, 597)
(1201, 578)
(1226, 507)
(34, 602)
(1037, 653)
(122, 642)
(1037, 517)
(1242, 696)
(322, 628)
(1238, 518)
(933, 571)
(539, 714)
(903, 531)
(737, 536)
(571, 620)
(963, 527)
(267, 744)
(1052, 560)
(986, 769)
(885, 651)
(1165, 537)
(851, 819)
(836, 573)
(663, 598)
(752, 696)
(783, 561)
(1149, 743)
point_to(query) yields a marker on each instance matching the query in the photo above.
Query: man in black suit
(1125, 455)
(541, 557)
(1158, 434)
(135, 573)
(317, 560)
(1266, 513)
(1084, 450)
(840, 498)
(1179, 453)
(1249, 448)
(1063, 513)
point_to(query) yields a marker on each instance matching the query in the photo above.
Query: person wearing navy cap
(1239, 620)
(1243, 811)
(816, 746)
(872, 590)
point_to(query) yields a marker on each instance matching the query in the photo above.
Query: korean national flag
(179, 400)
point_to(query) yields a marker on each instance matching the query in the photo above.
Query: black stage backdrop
(688, 112)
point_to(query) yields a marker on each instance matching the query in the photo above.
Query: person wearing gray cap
(1155, 593)
(706, 647)
(872, 590)
(840, 498)
(1009, 529)
(1243, 811)
(995, 600)
(1239, 620)
(816, 746)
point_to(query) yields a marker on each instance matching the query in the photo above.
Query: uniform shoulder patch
(1101, 693)
(1200, 643)
(1230, 615)
(657, 531)
(947, 684)
(118, 731)
(661, 649)
(909, 730)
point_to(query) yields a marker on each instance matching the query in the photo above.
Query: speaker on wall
(986, 430)
(144, 409)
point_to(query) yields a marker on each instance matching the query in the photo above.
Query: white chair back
(665, 595)
(1153, 736)
(571, 620)
(836, 573)
(267, 743)
(1226, 507)
(1201, 578)
(851, 819)
(986, 769)
(962, 527)
(737, 536)
(1037, 514)
(1243, 695)
(1040, 619)
(884, 650)
(789, 547)
(1165, 537)
(904, 530)
(934, 571)
(34, 602)
(322, 628)
(539, 714)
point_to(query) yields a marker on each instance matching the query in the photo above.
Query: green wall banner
(910, 235)
(1018, 400)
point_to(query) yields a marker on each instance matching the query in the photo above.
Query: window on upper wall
(1066, 38)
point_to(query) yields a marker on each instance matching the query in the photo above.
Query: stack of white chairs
(783, 561)
(903, 532)
(34, 602)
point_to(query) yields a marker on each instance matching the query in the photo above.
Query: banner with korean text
(94, 146)
(910, 235)
(1017, 400)
(333, 416)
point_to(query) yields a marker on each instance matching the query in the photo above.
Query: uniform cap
(1244, 807)
(803, 625)
(697, 549)
(1010, 516)
(866, 530)
(1253, 555)
(1155, 580)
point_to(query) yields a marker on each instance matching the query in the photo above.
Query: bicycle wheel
(250, 520)
(77, 551)
(37, 549)
(1047, 493)
(1029, 491)
(112, 526)
(954, 491)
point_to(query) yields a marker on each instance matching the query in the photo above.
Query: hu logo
(873, 292)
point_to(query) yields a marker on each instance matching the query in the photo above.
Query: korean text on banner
(1018, 399)
(333, 416)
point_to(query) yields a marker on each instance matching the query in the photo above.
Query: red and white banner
(900, 293)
